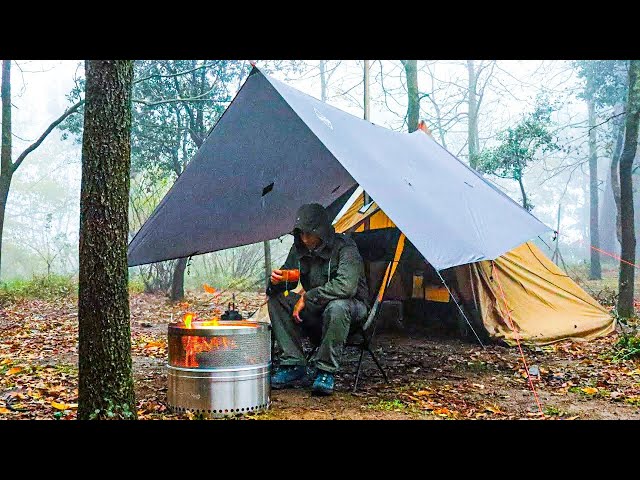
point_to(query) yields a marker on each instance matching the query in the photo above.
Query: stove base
(219, 392)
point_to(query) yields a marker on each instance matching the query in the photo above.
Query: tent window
(364, 208)
(267, 189)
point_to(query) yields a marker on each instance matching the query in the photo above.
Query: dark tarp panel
(276, 148)
(257, 166)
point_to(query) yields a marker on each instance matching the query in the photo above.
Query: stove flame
(188, 318)
(193, 345)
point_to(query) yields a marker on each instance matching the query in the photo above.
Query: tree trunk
(628, 250)
(323, 81)
(5, 183)
(106, 387)
(177, 281)
(474, 142)
(595, 272)
(525, 204)
(267, 262)
(615, 177)
(413, 100)
(6, 167)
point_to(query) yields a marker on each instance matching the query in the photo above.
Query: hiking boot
(323, 385)
(286, 375)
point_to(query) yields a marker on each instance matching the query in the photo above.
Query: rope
(543, 265)
(460, 308)
(533, 389)
(615, 256)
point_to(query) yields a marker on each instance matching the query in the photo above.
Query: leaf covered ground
(432, 376)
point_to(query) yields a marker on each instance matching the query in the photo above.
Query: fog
(42, 216)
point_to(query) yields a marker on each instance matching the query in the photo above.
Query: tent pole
(460, 308)
(367, 199)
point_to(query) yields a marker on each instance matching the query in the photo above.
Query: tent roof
(275, 148)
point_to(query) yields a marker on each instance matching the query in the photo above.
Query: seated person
(334, 300)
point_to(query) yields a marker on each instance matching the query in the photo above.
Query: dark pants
(327, 328)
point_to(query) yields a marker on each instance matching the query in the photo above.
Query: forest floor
(433, 376)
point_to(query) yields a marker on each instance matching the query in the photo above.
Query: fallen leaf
(5, 361)
(442, 411)
(209, 289)
(59, 406)
(422, 393)
(14, 370)
(589, 390)
(494, 410)
(4, 410)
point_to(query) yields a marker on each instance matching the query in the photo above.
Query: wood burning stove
(219, 368)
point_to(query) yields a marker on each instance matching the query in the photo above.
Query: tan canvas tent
(521, 295)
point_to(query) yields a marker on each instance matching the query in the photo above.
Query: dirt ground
(432, 376)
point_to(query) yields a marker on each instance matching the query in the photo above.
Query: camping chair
(373, 246)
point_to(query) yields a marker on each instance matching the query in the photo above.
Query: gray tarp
(276, 148)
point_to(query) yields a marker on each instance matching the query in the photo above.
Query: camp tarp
(275, 148)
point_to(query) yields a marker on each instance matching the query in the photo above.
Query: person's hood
(313, 218)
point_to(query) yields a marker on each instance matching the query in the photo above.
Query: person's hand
(276, 277)
(297, 309)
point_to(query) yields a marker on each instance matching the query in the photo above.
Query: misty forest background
(551, 134)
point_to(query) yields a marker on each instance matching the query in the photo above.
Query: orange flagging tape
(526, 367)
(615, 256)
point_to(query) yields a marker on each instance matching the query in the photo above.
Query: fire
(188, 318)
(211, 323)
(193, 345)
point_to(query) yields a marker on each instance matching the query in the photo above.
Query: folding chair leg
(355, 384)
(373, 355)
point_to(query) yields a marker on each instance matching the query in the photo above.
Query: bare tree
(628, 250)
(7, 166)
(595, 271)
(477, 86)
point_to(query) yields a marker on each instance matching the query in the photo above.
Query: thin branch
(606, 121)
(159, 75)
(176, 100)
(37, 143)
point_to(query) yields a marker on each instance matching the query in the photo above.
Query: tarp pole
(388, 275)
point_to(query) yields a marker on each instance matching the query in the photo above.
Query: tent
(275, 148)
(521, 295)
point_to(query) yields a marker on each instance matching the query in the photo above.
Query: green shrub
(626, 348)
(39, 286)
(136, 285)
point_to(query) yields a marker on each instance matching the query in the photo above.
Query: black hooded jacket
(334, 270)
